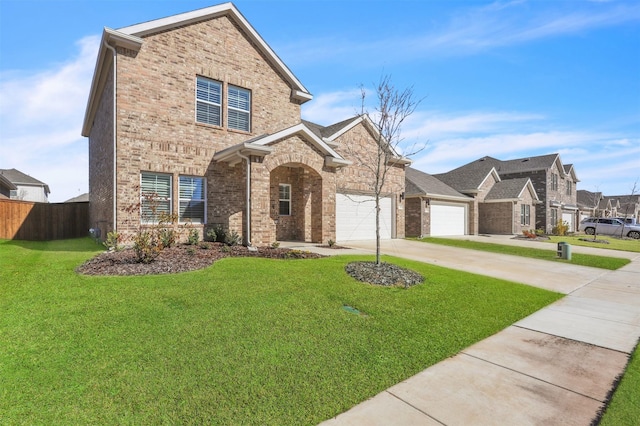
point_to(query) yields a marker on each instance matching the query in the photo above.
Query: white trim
(298, 91)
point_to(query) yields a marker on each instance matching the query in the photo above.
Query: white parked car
(609, 226)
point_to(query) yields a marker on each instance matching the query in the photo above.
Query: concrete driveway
(555, 367)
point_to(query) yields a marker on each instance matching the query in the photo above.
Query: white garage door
(356, 217)
(568, 217)
(448, 219)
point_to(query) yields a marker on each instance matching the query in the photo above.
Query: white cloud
(41, 119)
(454, 138)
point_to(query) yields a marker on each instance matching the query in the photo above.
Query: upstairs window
(285, 199)
(192, 199)
(209, 101)
(554, 182)
(239, 110)
(569, 189)
(155, 196)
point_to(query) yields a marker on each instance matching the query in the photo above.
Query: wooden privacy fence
(25, 220)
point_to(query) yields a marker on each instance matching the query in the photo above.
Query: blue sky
(508, 79)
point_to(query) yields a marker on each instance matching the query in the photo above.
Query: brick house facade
(201, 111)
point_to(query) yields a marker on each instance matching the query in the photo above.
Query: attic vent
(525, 159)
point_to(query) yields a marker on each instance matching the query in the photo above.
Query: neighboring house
(499, 206)
(595, 204)
(432, 208)
(554, 184)
(82, 198)
(19, 186)
(628, 206)
(208, 121)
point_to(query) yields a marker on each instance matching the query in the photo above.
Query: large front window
(155, 196)
(192, 199)
(209, 101)
(285, 200)
(239, 110)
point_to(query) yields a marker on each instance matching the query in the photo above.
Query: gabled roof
(588, 199)
(329, 134)
(79, 199)
(132, 37)
(16, 177)
(529, 164)
(510, 190)
(260, 146)
(421, 184)
(470, 177)
(6, 182)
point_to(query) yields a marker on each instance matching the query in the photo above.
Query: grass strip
(245, 341)
(624, 408)
(603, 262)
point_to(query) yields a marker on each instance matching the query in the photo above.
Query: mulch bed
(184, 258)
(180, 258)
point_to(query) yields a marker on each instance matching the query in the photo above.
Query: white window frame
(554, 217)
(236, 108)
(284, 200)
(569, 189)
(182, 199)
(145, 193)
(209, 101)
(525, 214)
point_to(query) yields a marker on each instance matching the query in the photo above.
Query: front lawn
(245, 341)
(624, 408)
(603, 262)
(614, 243)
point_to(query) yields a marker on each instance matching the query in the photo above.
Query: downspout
(248, 201)
(115, 113)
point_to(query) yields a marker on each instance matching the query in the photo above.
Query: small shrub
(226, 249)
(331, 243)
(528, 234)
(146, 246)
(211, 235)
(204, 246)
(167, 237)
(561, 228)
(539, 232)
(112, 243)
(275, 244)
(233, 238)
(194, 237)
(216, 234)
(191, 251)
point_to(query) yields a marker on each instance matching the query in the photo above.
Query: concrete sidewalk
(556, 366)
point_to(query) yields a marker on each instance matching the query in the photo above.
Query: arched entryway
(296, 202)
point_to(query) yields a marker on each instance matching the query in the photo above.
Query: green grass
(603, 262)
(624, 408)
(614, 243)
(246, 341)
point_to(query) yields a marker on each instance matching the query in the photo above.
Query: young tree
(393, 107)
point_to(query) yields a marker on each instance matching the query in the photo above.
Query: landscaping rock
(384, 274)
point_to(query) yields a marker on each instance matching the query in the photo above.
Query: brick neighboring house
(499, 206)
(433, 208)
(198, 109)
(16, 185)
(595, 204)
(554, 184)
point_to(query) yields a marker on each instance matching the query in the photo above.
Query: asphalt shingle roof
(326, 131)
(421, 183)
(507, 189)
